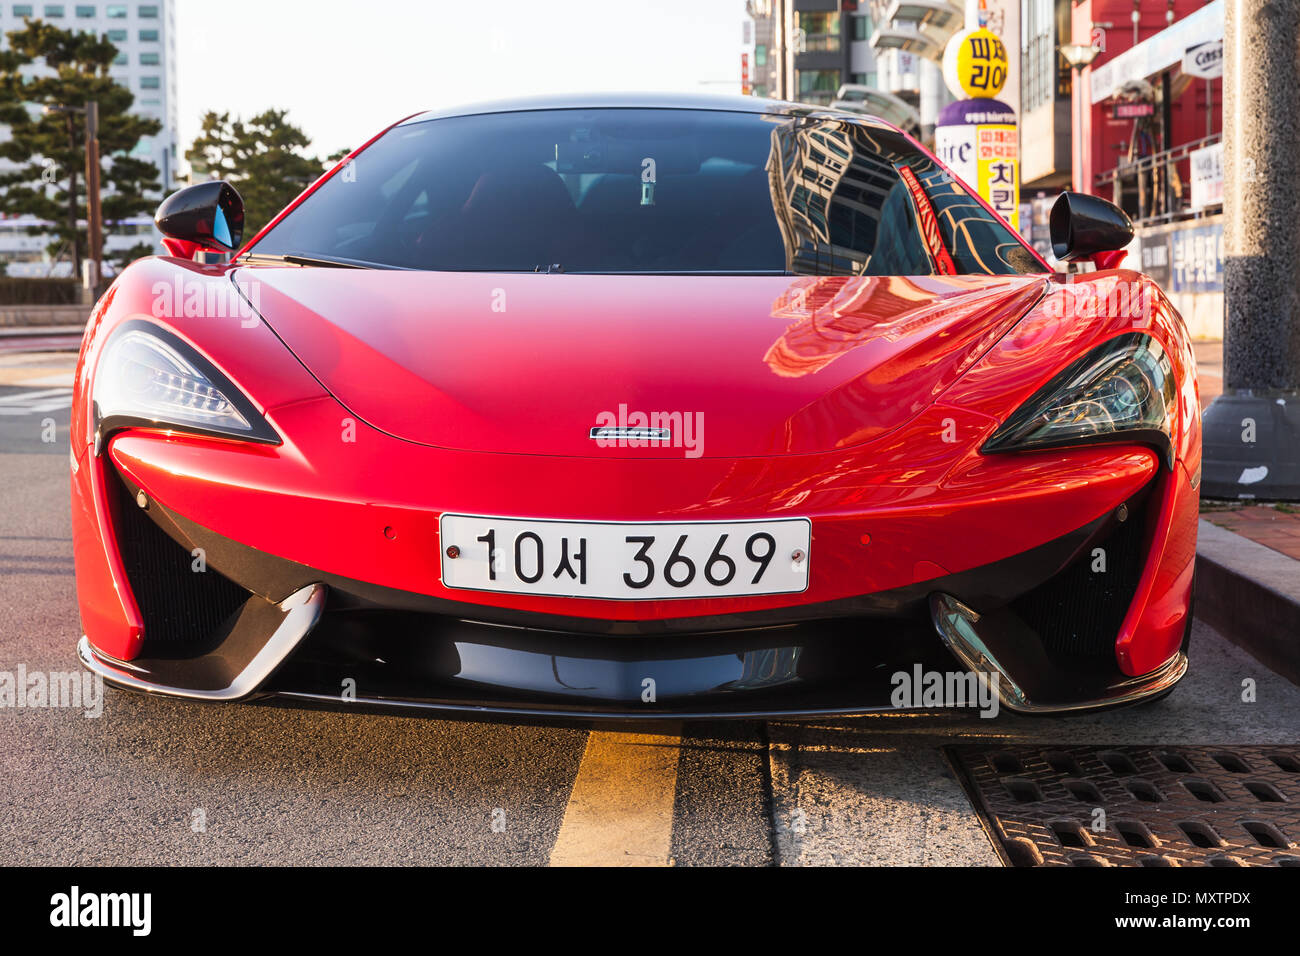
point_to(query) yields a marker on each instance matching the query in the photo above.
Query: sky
(345, 69)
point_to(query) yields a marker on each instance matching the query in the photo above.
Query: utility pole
(94, 217)
(92, 269)
(1252, 431)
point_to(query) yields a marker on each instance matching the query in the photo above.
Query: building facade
(805, 50)
(1147, 129)
(909, 38)
(145, 35)
(1044, 90)
(1138, 101)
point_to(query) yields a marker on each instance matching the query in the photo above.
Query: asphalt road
(159, 781)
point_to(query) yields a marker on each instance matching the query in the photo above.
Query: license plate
(625, 561)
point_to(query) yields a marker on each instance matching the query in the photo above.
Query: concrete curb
(36, 318)
(40, 331)
(1251, 595)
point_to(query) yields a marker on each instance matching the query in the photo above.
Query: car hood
(733, 366)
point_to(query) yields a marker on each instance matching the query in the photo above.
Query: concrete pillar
(1252, 432)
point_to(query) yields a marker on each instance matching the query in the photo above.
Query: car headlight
(149, 377)
(1123, 390)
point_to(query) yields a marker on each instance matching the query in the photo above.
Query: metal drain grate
(1160, 806)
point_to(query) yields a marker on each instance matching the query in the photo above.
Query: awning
(1159, 52)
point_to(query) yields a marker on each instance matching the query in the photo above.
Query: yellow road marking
(620, 812)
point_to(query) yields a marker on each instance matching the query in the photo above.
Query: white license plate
(625, 561)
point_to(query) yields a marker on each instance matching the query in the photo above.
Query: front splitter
(1009, 658)
(254, 644)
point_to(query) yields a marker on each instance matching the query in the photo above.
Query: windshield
(649, 191)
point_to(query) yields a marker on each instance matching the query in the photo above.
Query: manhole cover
(1137, 806)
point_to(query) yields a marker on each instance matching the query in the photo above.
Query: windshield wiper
(294, 258)
(319, 261)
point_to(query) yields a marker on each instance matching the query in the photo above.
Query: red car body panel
(505, 363)
(108, 607)
(901, 506)
(861, 404)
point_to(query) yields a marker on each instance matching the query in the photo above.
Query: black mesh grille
(178, 604)
(1078, 613)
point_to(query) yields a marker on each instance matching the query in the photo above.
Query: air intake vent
(180, 606)
(1078, 613)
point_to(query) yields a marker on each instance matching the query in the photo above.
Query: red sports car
(635, 407)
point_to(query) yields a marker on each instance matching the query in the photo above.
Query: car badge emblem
(630, 433)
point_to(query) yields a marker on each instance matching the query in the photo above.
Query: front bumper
(841, 667)
(339, 641)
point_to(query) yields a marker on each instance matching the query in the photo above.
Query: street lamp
(1080, 57)
(94, 221)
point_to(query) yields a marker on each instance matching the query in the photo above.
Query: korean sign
(978, 140)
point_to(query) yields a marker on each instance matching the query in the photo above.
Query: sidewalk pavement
(1274, 526)
(1248, 561)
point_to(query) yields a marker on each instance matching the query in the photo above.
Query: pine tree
(263, 157)
(49, 147)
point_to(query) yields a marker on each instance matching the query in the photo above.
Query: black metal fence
(1156, 188)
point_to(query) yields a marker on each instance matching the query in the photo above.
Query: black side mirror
(1083, 226)
(203, 216)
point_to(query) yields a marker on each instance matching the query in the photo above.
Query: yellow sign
(998, 171)
(975, 63)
